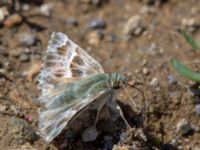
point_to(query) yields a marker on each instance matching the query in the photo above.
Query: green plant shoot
(185, 71)
(191, 41)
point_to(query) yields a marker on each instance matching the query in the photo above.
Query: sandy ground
(126, 36)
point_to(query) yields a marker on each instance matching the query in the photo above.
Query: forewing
(65, 62)
(53, 121)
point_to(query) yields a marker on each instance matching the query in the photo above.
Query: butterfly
(70, 80)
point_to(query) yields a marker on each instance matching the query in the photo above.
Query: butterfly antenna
(130, 98)
(139, 90)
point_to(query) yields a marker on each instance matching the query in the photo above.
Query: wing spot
(50, 64)
(51, 57)
(76, 65)
(77, 60)
(62, 50)
(58, 74)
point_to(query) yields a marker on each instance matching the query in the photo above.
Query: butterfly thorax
(95, 84)
(117, 79)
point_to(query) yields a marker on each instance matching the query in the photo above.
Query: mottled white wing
(65, 62)
(53, 121)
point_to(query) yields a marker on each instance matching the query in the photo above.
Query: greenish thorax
(89, 86)
(97, 83)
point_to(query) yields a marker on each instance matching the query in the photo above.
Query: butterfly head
(117, 80)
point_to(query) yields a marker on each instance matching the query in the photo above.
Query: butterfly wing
(65, 63)
(53, 121)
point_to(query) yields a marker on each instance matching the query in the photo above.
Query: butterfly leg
(115, 107)
(100, 106)
(122, 115)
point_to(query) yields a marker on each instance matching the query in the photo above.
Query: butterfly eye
(117, 84)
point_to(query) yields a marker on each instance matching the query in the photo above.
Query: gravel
(17, 132)
(24, 57)
(12, 20)
(154, 82)
(183, 127)
(97, 24)
(72, 21)
(197, 108)
(171, 79)
(46, 9)
(3, 13)
(134, 26)
(27, 39)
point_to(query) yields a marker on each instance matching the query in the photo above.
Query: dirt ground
(138, 37)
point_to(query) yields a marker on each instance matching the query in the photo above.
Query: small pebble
(26, 146)
(3, 51)
(72, 21)
(175, 96)
(46, 9)
(12, 20)
(3, 108)
(147, 10)
(145, 71)
(144, 62)
(25, 7)
(123, 136)
(196, 148)
(113, 38)
(153, 2)
(97, 24)
(95, 37)
(154, 82)
(19, 98)
(198, 109)
(148, 2)
(21, 130)
(190, 24)
(195, 128)
(180, 147)
(15, 52)
(14, 109)
(33, 70)
(98, 2)
(132, 82)
(90, 134)
(184, 127)
(3, 13)
(134, 26)
(95, 2)
(29, 118)
(152, 49)
(28, 39)
(24, 57)
(86, 1)
(171, 79)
